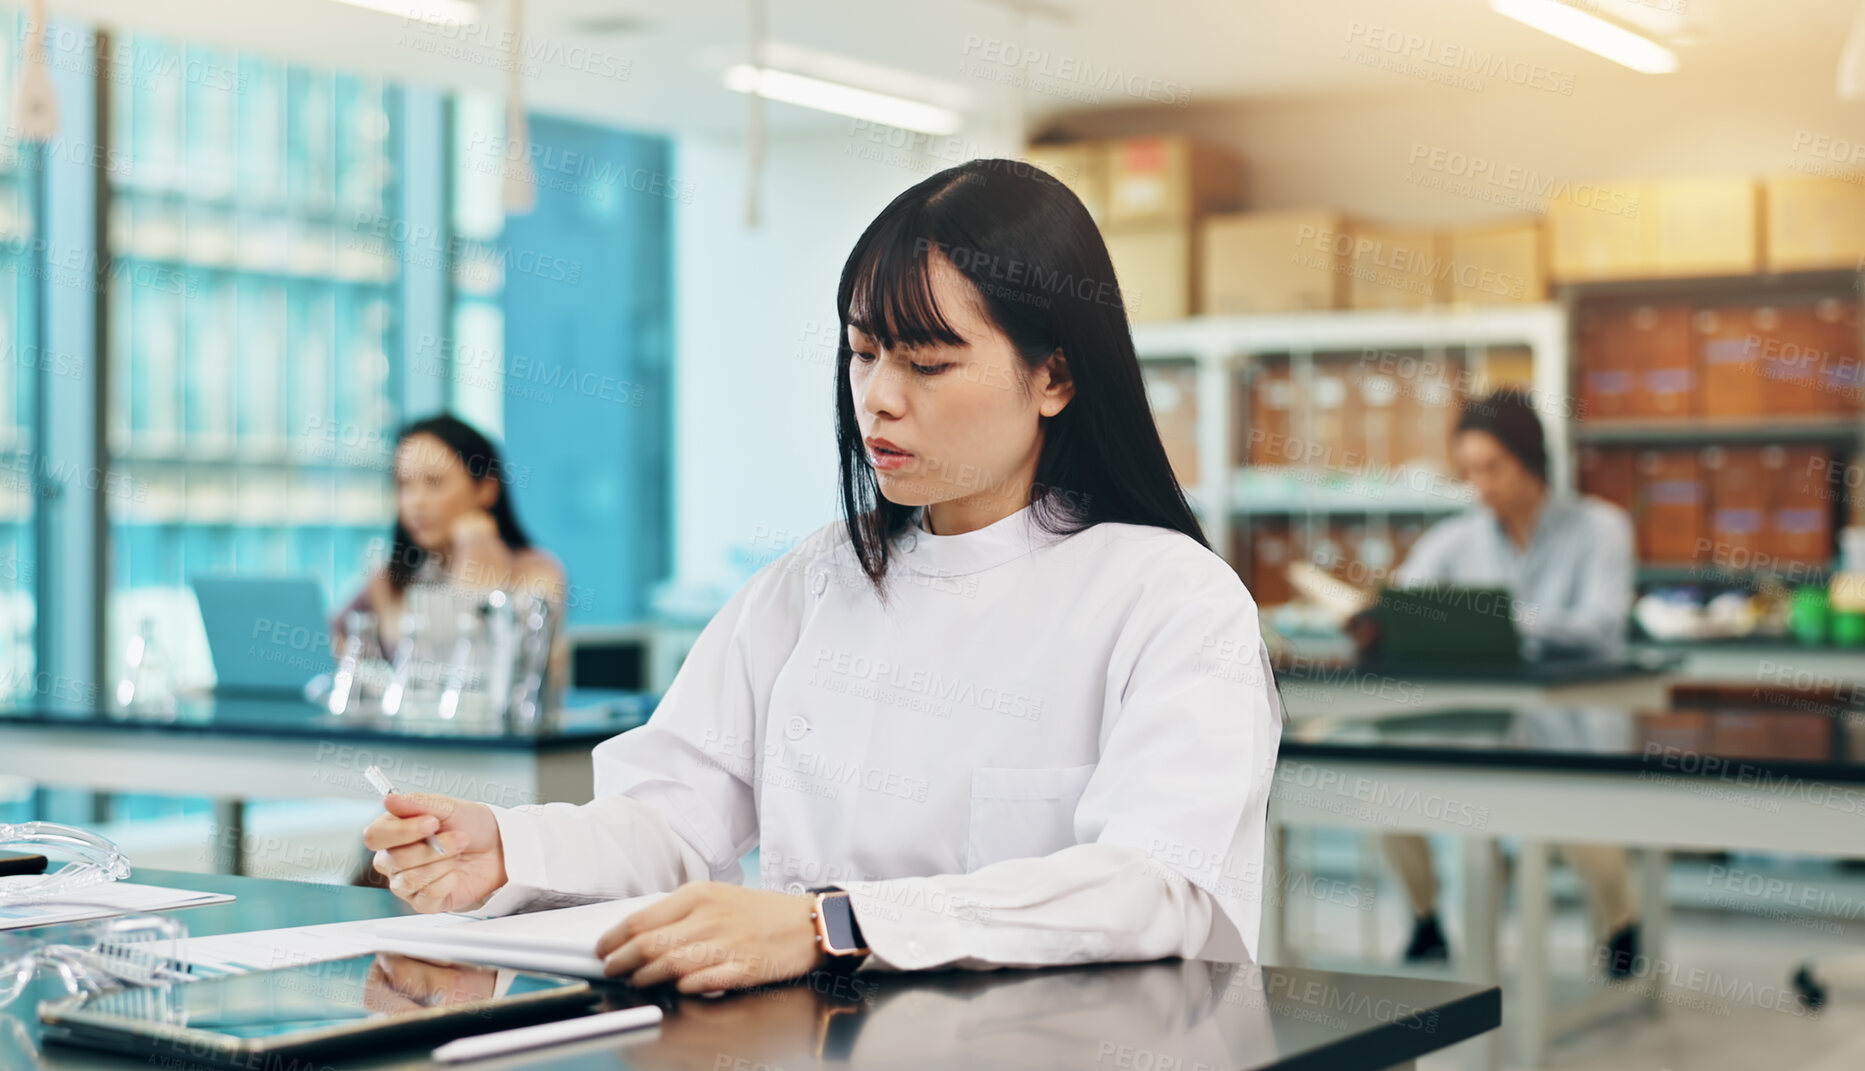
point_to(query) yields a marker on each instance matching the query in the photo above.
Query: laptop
(267, 635)
(1447, 625)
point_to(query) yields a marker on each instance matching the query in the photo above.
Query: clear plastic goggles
(89, 957)
(90, 860)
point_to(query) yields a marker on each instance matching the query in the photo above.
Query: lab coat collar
(993, 545)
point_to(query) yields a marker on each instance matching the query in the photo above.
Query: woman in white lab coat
(1011, 704)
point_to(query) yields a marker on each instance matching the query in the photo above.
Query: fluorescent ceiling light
(841, 99)
(1590, 32)
(443, 11)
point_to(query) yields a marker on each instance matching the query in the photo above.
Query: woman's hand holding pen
(472, 869)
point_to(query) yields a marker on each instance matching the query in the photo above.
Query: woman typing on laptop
(1566, 563)
(1009, 711)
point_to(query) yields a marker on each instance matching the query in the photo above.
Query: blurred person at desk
(1566, 562)
(454, 526)
(1010, 710)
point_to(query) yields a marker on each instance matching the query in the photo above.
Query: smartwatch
(838, 935)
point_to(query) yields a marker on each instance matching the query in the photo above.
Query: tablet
(268, 1018)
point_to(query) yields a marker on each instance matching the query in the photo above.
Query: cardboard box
(1272, 262)
(1380, 437)
(1839, 371)
(1729, 347)
(1800, 528)
(1792, 353)
(1155, 269)
(1707, 226)
(1600, 231)
(1605, 380)
(1429, 404)
(1738, 502)
(1267, 555)
(1608, 472)
(1671, 522)
(1272, 404)
(1332, 425)
(1172, 392)
(1508, 366)
(1395, 268)
(1079, 165)
(1169, 179)
(1813, 222)
(1496, 265)
(1655, 345)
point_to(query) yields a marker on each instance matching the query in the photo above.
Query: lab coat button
(796, 728)
(914, 948)
(818, 583)
(907, 544)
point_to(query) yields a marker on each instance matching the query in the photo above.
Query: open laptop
(1447, 625)
(267, 635)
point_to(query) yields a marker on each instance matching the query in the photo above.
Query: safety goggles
(88, 957)
(90, 860)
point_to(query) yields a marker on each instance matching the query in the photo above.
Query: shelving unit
(1223, 347)
(1844, 432)
(1710, 430)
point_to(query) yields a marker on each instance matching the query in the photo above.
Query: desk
(1772, 781)
(1332, 687)
(237, 749)
(1178, 1015)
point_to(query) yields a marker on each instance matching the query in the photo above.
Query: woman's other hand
(710, 935)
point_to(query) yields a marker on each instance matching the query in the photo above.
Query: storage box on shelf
(1813, 223)
(1079, 165)
(1157, 189)
(1169, 179)
(1665, 228)
(1396, 267)
(1155, 265)
(1253, 262)
(1761, 508)
(1706, 225)
(1172, 392)
(1496, 264)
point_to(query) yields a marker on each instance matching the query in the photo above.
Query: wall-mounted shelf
(1811, 429)
(1261, 491)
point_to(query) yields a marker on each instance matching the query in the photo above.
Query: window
(252, 329)
(23, 364)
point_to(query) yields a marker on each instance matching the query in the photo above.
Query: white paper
(562, 941)
(259, 950)
(94, 902)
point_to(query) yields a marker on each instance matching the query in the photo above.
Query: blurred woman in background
(454, 526)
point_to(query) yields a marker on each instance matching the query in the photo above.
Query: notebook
(562, 941)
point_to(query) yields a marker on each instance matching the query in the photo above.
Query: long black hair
(483, 463)
(1043, 277)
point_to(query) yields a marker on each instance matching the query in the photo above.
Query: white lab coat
(1039, 750)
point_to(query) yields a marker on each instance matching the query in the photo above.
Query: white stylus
(380, 782)
(557, 1033)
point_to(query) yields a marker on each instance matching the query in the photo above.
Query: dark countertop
(1546, 673)
(1741, 745)
(588, 717)
(1181, 1014)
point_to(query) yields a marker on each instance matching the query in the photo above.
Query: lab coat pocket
(1022, 813)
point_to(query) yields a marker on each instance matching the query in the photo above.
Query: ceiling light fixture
(451, 12)
(1590, 32)
(842, 99)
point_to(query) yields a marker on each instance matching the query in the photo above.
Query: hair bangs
(892, 299)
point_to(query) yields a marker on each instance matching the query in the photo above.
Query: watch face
(838, 922)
